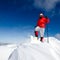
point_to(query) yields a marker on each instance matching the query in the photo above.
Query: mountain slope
(36, 50)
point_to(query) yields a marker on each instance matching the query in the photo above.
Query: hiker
(40, 27)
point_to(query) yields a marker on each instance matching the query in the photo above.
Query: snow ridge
(33, 50)
(36, 50)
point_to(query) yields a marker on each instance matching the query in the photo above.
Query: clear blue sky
(18, 18)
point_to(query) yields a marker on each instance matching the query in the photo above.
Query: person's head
(41, 15)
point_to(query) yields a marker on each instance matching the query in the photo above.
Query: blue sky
(18, 18)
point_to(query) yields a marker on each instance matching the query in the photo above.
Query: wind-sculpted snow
(36, 50)
(6, 51)
(13, 55)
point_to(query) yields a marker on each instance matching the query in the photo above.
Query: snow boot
(41, 39)
(36, 35)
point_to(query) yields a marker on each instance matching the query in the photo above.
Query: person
(40, 27)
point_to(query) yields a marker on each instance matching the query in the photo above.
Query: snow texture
(34, 50)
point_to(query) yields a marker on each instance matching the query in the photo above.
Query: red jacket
(42, 22)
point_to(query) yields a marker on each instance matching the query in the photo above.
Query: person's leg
(36, 31)
(42, 30)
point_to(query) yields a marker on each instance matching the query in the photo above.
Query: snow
(6, 50)
(33, 50)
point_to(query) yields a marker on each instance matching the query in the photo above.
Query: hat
(41, 14)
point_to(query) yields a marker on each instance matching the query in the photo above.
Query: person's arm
(47, 20)
(38, 22)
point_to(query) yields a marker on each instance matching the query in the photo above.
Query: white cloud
(57, 36)
(46, 4)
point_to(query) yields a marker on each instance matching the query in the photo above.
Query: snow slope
(36, 50)
(6, 51)
(33, 50)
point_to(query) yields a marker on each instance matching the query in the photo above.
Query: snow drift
(6, 50)
(35, 50)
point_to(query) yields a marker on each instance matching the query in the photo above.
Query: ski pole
(47, 35)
